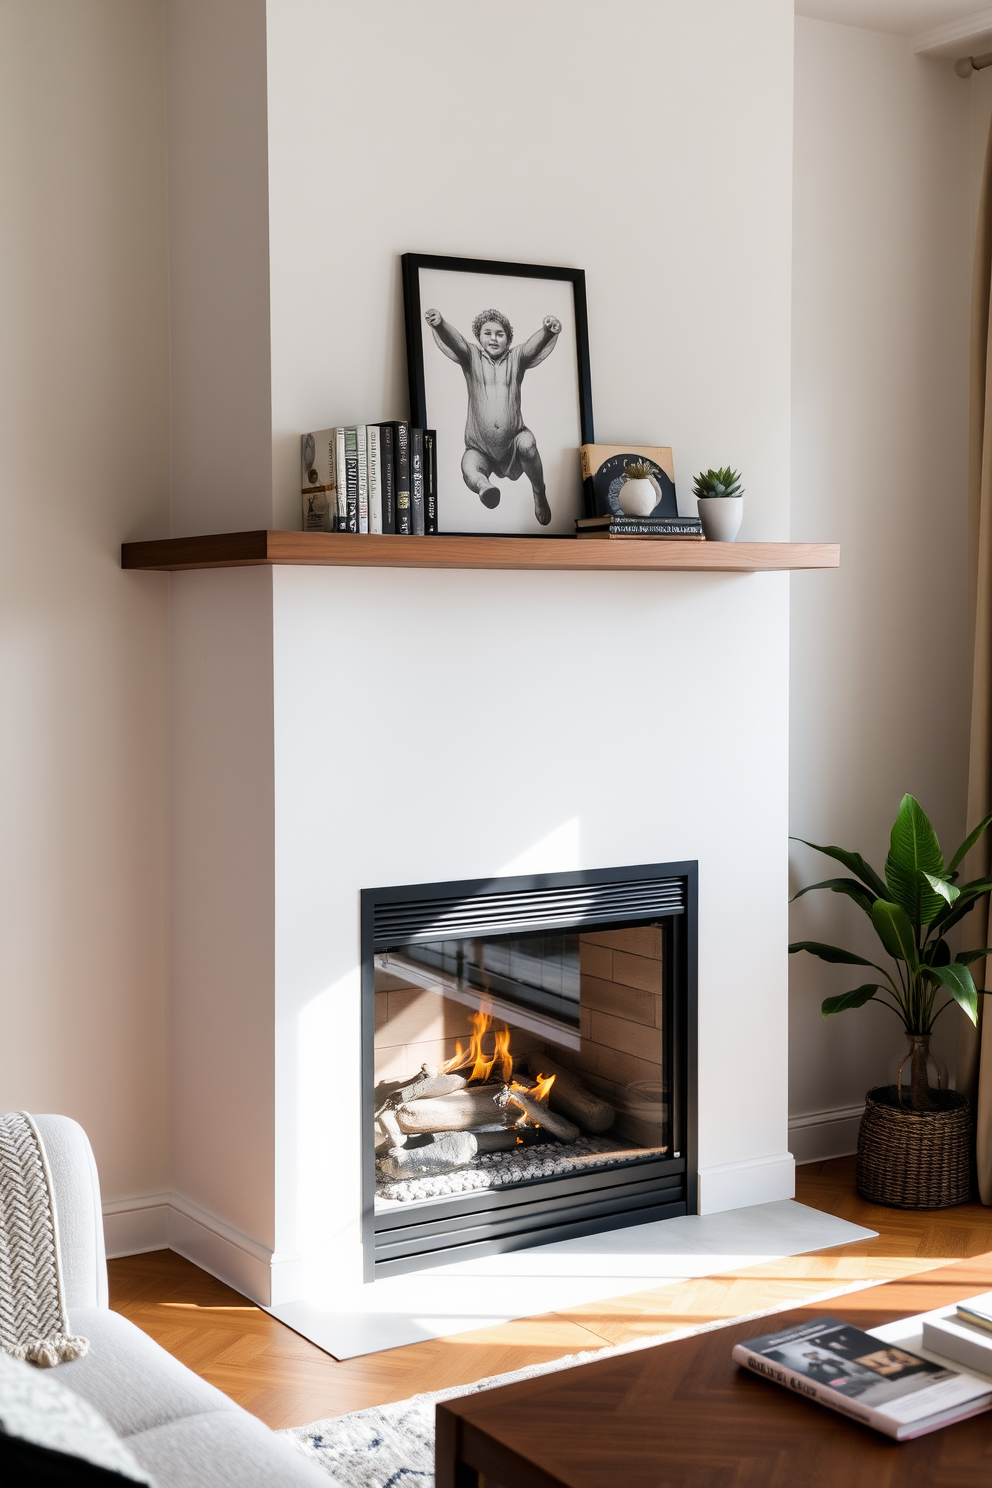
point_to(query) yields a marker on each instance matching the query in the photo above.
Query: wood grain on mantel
(350, 550)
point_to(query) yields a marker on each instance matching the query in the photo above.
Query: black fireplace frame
(541, 1210)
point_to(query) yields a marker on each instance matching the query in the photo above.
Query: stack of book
(606, 470)
(684, 528)
(867, 1376)
(374, 478)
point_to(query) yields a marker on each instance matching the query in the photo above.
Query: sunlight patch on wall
(558, 852)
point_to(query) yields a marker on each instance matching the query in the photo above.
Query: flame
(457, 1060)
(480, 1064)
(502, 1053)
(540, 1091)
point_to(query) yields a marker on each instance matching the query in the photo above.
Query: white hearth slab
(470, 1294)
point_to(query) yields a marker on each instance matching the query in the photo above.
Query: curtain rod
(965, 66)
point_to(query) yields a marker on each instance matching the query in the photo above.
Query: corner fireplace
(528, 1060)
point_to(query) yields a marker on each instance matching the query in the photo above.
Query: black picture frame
(422, 416)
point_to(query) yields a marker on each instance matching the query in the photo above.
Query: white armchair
(182, 1431)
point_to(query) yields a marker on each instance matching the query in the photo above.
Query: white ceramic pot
(637, 498)
(721, 516)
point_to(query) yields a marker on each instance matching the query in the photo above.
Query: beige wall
(84, 434)
(218, 266)
(881, 280)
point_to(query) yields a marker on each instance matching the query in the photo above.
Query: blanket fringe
(47, 1352)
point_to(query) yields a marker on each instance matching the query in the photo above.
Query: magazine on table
(863, 1377)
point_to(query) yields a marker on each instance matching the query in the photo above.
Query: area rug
(392, 1446)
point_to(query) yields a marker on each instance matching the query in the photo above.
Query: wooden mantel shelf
(347, 550)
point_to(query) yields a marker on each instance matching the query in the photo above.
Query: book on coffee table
(863, 1377)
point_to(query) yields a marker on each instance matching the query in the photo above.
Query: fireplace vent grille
(529, 911)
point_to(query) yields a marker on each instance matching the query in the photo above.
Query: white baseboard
(134, 1226)
(219, 1248)
(756, 1180)
(822, 1134)
(169, 1221)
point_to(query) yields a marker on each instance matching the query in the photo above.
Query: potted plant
(720, 502)
(912, 1153)
(638, 496)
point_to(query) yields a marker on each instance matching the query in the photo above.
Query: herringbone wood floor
(286, 1381)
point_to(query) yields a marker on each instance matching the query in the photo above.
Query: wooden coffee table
(683, 1415)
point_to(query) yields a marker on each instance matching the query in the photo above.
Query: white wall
(880, 670)
(498, 132)
(85, 439)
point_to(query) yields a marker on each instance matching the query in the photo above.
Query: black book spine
(351, 476)
(430, 482)
(387, 477)
(401, 462)
(417, 482)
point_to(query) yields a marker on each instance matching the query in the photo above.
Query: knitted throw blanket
(33, 1321)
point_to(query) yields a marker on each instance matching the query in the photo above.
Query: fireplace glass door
(504, 1059)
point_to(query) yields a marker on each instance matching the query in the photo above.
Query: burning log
(428, 1082)
(571, 1097)
(438, 1154)
(459, 1111)
(550, 1121)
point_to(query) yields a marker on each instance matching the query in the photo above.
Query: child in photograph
(497, 441)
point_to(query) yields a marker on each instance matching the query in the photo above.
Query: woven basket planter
(914, 1159)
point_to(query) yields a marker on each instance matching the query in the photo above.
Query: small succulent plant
(638, 470)
(725, 482)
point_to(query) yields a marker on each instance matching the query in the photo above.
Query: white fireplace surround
(335, 730)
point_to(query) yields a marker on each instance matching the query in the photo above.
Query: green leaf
(975, 887)
(969, 843)
(968, 958)
(940, 886)
(937, 953)
(914, 859)
(828, 953)
(959, 982)
(913, 843)
(862, 897)
(895, 931)
(913, 891)
(853, 862)
(968, 896)
(846, 1000)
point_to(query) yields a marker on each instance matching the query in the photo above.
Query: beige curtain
(975, 1053)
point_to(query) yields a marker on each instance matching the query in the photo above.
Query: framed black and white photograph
(498, 360)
